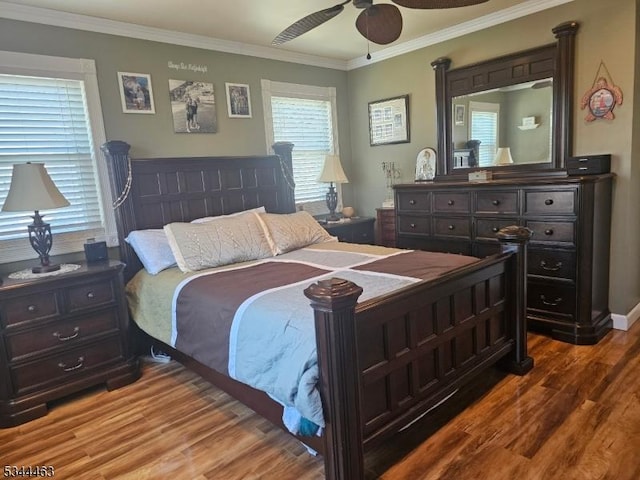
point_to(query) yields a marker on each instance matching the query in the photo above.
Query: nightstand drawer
(64, 366)
(60, 334)
(30, 307)
(90, 295)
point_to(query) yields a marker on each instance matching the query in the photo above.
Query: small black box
(95, 251)
(589, 164)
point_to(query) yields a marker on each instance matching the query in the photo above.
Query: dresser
(60, 334)
(568, 255)
(355, 230)
(386, 227)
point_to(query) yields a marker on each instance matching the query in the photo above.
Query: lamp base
(45, 268)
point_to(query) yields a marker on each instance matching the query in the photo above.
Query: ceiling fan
(380, 23)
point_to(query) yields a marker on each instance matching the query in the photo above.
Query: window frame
(82, 69)
(485, 107)
(312, 92)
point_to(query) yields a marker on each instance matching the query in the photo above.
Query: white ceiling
(249, 26)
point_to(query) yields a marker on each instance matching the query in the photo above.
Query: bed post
(334, 302)
(116, 153)
(514, 239)
(284, 151)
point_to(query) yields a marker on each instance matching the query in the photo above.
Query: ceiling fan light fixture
(432, 4)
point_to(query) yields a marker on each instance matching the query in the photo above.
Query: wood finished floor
(575, 416)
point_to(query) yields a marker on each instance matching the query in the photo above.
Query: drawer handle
(548, 231)
(77, 366)
(451, 227)
(32, 308)
(548, 201)
(451, 203)
(76, 332)
(412, 225)
(552, 303)
(544, 266)
(496, 202)
(495, 229)
(90, 295)
(412, 202)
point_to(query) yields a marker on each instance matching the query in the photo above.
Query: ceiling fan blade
(437, 3)
(308, 23)
(381, 23)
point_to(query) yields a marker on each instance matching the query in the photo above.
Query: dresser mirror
(510, 115)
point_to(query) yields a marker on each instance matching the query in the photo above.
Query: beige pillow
(218, 242)
(294, 230)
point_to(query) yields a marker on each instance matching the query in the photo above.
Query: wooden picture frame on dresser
(569, 215)
(61, 334)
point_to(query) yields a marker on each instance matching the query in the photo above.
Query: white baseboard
(624, 322)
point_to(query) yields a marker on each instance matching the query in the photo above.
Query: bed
(382, 362)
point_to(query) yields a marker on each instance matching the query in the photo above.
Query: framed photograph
(238, 100)
(136, 93)
(193, 106)
(458, 115)
(389, 121)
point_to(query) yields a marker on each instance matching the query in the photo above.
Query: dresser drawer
(552, 263)
(418, 201)
(552, 298)
(452, 227)
(550, 202)
(409, 224)
(489, 227)
(451, 202)
(90, 295)
(65, 366)
(552, 232)
(61, 334)
(497, 202)
(30, 307)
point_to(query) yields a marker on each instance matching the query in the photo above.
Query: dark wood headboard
(150, 193)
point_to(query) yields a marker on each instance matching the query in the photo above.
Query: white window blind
(44, 120)
(50, 113)
(304, 115)
(484, 127)
(307, 124)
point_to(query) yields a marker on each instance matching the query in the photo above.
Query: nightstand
(356, 230)
(60, 334)
(386, 226)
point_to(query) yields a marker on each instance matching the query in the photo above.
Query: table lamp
(32, 189)
(332, 173)
(503, 156)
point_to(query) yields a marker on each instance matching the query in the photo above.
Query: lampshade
(32, 189)
(332, 171)
(503, 156)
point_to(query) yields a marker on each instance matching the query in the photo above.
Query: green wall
(606, 33)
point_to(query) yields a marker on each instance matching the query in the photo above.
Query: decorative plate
(426, 165)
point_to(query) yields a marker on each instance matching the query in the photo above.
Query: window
(305, 116)
(484, 127)
(50, 113)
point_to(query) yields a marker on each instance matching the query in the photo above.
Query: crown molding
(477, 24)
(111, 27)
(83, 22)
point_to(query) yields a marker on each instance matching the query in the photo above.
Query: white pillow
(294, 230)
(208, 219)
(152, 248)
(222, 241)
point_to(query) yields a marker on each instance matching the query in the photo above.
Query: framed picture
(389, 121)
(136, 93)
(193, 106)
(238, 100)
(458, 115)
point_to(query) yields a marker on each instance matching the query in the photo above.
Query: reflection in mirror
(518, 118)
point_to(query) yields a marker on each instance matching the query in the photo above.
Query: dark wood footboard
(384, 363)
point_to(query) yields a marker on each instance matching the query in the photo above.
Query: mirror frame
(555, 60)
